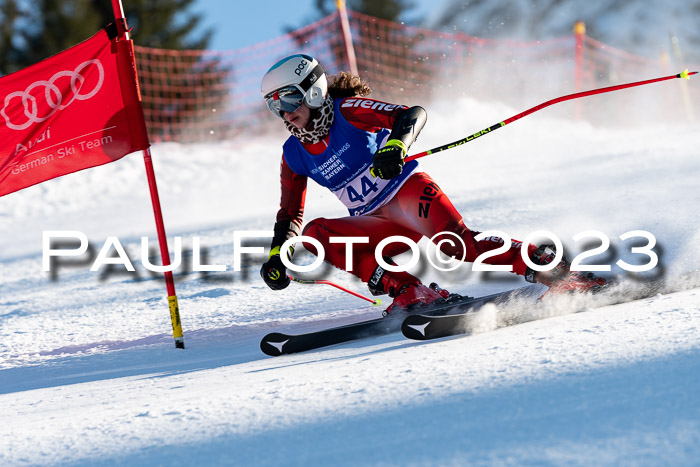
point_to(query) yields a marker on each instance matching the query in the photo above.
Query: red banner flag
(78, 109)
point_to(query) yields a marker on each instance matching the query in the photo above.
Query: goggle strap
(312, 77)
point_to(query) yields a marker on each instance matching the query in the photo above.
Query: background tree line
(33, 30)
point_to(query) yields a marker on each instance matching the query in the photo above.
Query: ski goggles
(285, 100)
(290, 98)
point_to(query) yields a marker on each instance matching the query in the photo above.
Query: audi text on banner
(77, 109)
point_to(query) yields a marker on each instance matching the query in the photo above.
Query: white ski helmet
(293, 80)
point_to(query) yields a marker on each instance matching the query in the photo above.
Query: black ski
(276, 344)
(423, 326)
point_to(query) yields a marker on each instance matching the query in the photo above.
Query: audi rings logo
(36, 112)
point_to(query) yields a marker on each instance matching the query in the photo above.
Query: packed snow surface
(89, 374)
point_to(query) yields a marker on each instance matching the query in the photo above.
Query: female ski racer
(355, 146)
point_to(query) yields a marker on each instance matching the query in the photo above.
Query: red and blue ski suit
(410, 205)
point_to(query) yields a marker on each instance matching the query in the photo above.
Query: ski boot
(415, 294)
(561, 279)
(406, 290)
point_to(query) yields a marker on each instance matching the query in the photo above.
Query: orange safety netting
(210, 95)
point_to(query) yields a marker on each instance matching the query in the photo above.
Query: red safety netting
(200, 95)
(208, 95)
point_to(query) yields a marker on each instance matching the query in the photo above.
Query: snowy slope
(89, 374)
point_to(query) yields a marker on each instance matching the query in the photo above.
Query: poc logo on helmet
(300, 67)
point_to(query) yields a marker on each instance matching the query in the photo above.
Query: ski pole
(684, 74)
(323, 281)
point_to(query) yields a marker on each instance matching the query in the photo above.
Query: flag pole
(157, 212)
(347, 36)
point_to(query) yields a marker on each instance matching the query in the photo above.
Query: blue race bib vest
(344, 166)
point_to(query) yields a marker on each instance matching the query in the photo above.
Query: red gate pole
(347, 36)
(579, 32)
(155, 200)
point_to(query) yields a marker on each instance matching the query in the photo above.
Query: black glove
(387, 162)
(274, 273)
